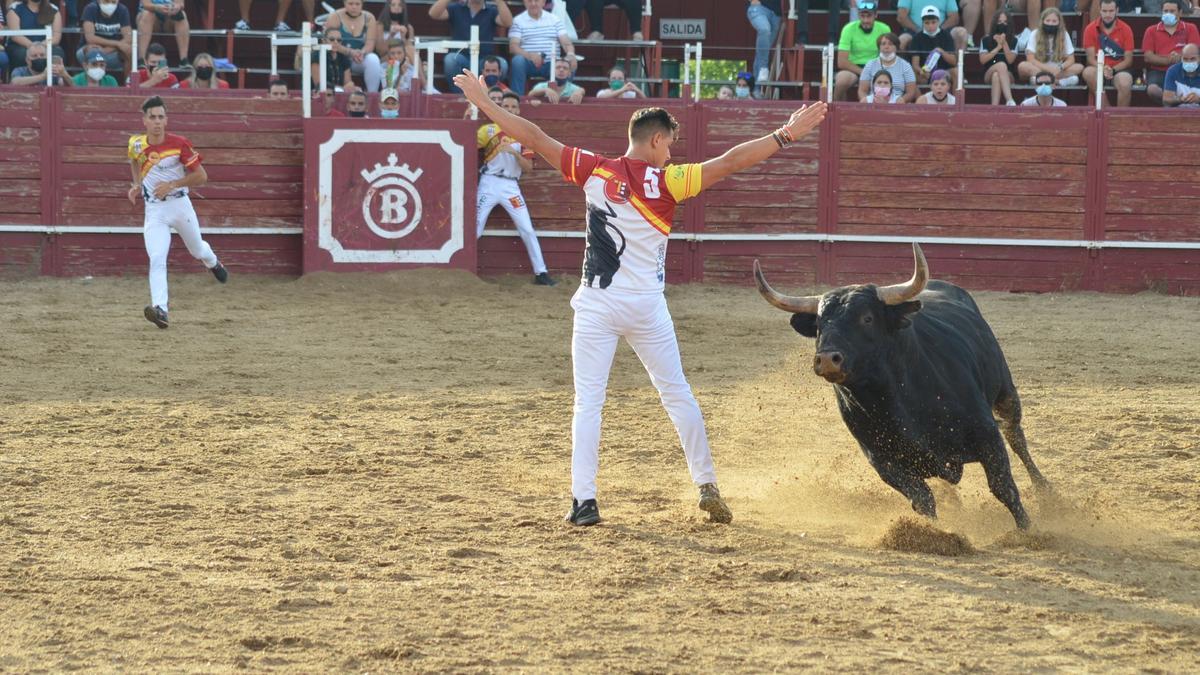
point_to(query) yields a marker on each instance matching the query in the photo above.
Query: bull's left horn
(898, 293)
(797, 304)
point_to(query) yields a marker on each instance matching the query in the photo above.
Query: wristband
(786, 134)
(778, 138)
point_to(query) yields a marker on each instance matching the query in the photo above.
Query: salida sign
(682, 29)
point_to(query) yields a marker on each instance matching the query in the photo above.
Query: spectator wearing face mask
(204, 75)
(1162, 46)
(882, 90)
(389, 104)
(908, 13)
(94, 74)
(904, 80)
(392, 23)
(34, 72)
(493, 73)
(356, 104)
(559, 90)
(155, 72)
(398, 72)
(1181, 85)
(32, 15)
(997, 53)
(741, 88)
(1044, 86)
(462, 14)
(1109, 44)
(939, 90)
(932, 48)
(856, 46)
(107, 30)
(1050, 50)
(619, 87)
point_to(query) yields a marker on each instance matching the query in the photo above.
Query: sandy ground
(369, 473)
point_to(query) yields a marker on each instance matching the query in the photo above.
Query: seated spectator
(531, 42)
(618, 87)
(3, 51)
(33, 73)
(1114, 39)
(155, 73)
(765, 17)
(493, 72)
(280, 17)
(107, 30)
(725, 93)
(856, 46)
(392, 24)
(741, 87)
(32, 15)
(204, 75)
(559, 90)
(94, 73)
(1031, 9)
(1162, 46)
(903, 77)
(1181, 85)
(277, 90)
(1050, 50)
(163, 16)
(358, 42)
(633, 12)
(356, 104)
(337, 65)
(997, 53)
(399, 72)
(939, 90)
(932, 48)
(462, 15)
(948, 9)
(882, 89)
(1044, 86)
(389, 104)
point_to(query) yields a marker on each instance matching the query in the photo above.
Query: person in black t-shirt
(932, 39)
(997, 53)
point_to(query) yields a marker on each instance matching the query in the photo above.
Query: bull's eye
(867, 319)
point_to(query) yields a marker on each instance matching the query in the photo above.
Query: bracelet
(786, 134)
(778, 138)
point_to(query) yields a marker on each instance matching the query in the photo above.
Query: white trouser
(371, 70)
(601, 317)
(506, 192)
(160, 218)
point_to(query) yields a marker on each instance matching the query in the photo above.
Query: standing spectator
(155, 72)
(493, 72)
(277, 90)
(766, 17)
(33, 73)
(94, 74)
(1181, 85)
(280, 18)
(997, 53)
(399, 72)
(1113, 38)
(856, 46)
(392, 24)
(462, 15)
(107, 30)
(904, 80)
(358, 41)
(1044, 86)
(531, 43)
(883, 89)
(932, 48)
(633, 12)
(1162, 46)
(559, 90)
(389, 104)
(939, 90)
(907, 18)
(356, 104)
(1050, 50)
(204, 75)
(32, 15)
(167, 15)
(619, 87)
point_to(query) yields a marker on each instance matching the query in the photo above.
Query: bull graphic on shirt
(602, 257)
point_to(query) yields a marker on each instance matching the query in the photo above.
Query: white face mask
(108, 8)
(96, 74)
(887, 58)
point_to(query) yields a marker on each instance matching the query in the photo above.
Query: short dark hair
(1113, 2)
(884, 73)
(1178, 3)
(358, 92)
(513, 95)
(277, 83)
(492, 59)
(890, 37)
(618, 69)
(156, 49)
(1051, 75)
(153, 102)
(644, 123)
(495, 90)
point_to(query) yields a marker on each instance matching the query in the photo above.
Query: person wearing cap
(909, 13)
(857, 45)
(107, 29)
(1109, 45)
(1044, 86)
(94, 74)
(939, 90)
(904, 81)
(932, 48)
(766, 16)
(389, 103)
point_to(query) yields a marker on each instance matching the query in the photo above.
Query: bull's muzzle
(829, 366)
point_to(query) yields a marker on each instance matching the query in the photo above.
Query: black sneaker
(543, 279)
(711, 502)
(585, 513)
(156, 315)
(184, 64)
(220, 273)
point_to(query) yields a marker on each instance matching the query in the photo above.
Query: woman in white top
(618, 87)
(881, 90)
(393, 24)
(1050, 49)
(904, 80)
(939, 90)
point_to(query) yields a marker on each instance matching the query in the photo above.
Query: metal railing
(48, 38)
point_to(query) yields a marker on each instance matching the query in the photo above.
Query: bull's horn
(797, 304)
(898, 293)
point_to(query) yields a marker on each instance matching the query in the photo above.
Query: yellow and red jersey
(163, 162)
(631, 205)
(491, 141)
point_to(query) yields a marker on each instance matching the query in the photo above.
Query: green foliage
(718, 69)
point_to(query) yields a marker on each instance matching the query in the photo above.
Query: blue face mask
(742, 92)
(389, 114)
(1044, 90)
(1190, 66)
(491, 80)
(1170, 19)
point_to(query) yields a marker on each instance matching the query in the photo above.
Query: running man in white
(164, 166)
(503, 163)
(631, 203)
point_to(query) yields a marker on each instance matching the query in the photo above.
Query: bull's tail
(1008, 414)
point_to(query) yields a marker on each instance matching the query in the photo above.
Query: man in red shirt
(1162, 45)
(155, 74)
(1109, 44)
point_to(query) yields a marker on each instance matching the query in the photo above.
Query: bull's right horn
(797, 304)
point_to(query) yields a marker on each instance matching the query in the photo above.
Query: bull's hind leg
(1000, 481)
(1008, 415)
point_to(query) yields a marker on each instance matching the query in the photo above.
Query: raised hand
(807, 118)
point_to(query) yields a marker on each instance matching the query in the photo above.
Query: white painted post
(699, 64)
(305, 67)
(832, 68)
(474, 51)
(960, 70)
(50, 57)
(1100, 82)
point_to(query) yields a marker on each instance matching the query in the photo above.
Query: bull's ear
(899, 314)
(805, 324)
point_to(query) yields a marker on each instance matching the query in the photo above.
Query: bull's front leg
(911, 486)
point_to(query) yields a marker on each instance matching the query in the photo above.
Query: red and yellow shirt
(161, 163)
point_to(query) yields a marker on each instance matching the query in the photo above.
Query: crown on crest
(381, 170)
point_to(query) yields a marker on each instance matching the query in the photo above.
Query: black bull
(920, 380)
